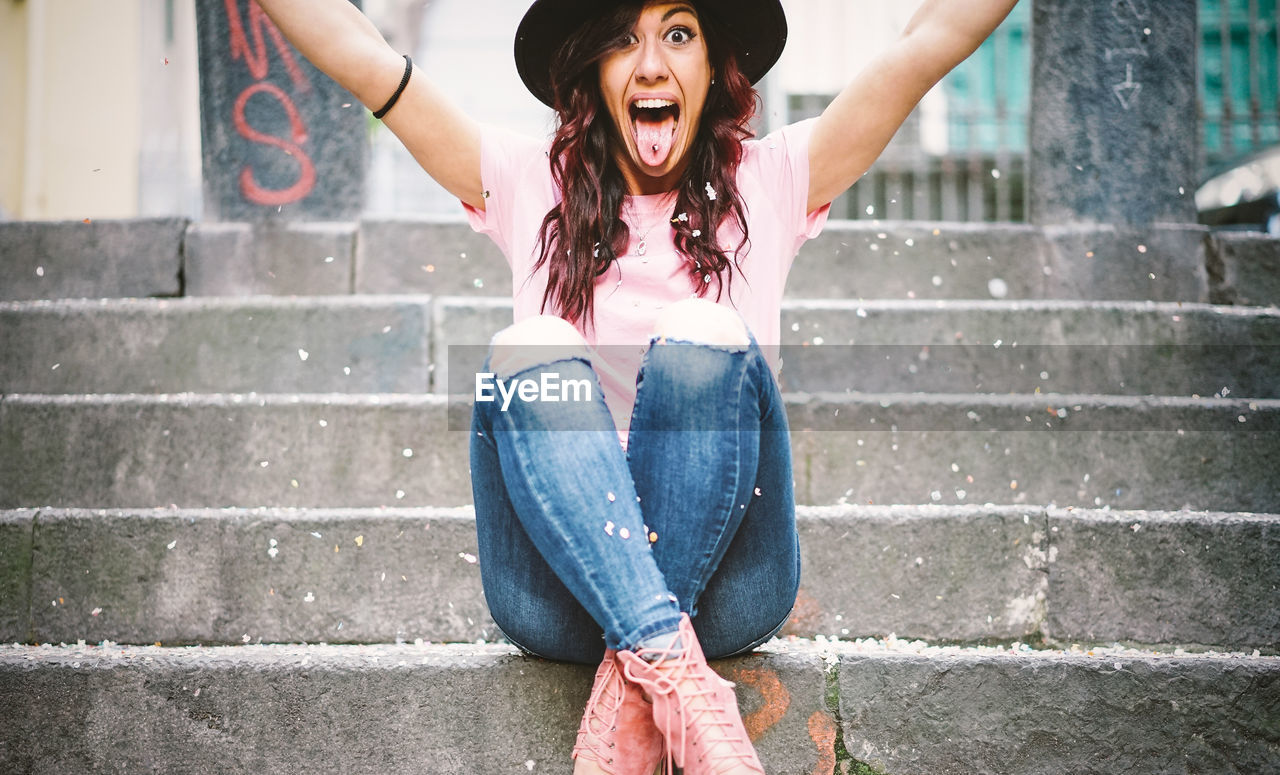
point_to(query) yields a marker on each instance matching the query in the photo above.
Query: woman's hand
(343, 44)
(862, 119)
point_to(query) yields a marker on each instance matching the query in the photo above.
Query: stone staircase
(1041, 534)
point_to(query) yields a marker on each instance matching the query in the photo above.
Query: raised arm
(862, 119)
(344, 44)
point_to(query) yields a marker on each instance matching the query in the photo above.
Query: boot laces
(596, 732)
(704, 709)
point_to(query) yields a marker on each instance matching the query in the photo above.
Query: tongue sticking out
(654, 133)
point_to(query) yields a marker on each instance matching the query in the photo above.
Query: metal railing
(966, 159)
(1239, 102)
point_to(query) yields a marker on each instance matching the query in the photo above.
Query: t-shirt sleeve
(509, 164)
(782, 164)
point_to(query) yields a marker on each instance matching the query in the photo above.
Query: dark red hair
(584, 234)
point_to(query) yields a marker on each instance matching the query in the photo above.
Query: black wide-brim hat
(756, 32)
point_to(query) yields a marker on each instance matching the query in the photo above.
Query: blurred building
(103, 103)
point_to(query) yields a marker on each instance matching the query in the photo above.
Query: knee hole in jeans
(535, 341)
(703, 321)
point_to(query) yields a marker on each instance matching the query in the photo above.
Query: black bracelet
(404, 81)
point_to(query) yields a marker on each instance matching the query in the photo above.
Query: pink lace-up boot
(617, 730)
(694, 708)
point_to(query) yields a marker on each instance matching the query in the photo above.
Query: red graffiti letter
(255, 58)
(307, 171)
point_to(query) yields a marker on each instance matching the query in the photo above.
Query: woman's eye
(680, 35)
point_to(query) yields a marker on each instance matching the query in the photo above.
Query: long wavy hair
(584, 234)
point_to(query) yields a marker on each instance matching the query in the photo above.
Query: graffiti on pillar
(280, 139)
(1131, 15)
(258, 63)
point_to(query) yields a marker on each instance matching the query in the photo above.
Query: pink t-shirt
(773, 180)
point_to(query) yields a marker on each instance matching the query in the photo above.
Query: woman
(649, 244)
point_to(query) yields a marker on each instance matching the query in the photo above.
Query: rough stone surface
(957, 574)
(15, 574)
(1141, 462)
(280, 139)
(1244, 268)
(1046, 714)
(901, 259)
(1065, 347)
(276, 259)
(1111, 140)
(441, 256)
(97, 259)
(218, 451)
(339, 345)
(215, 451)
(1159, 262)
(212, 577)
(460, 334)
(375, 709)
(376, 576)
(1200, 578)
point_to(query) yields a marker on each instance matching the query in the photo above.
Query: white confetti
(608, 528)
(173, 543)
(997, 288)
(467, 557)
(407, 452)
(39, 271)
(303, 354)
(711, 192)
(95, 612)
(624, 534)
(612, 498)
(310, 598)
(399, 495)
(529, 765)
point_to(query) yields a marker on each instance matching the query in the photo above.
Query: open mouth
(653, 126)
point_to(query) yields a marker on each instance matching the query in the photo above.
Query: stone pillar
(282, 141)
(1115, 148)
(1114, 135)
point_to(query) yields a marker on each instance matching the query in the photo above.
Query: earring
(713, 82)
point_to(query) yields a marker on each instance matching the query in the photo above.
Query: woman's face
(654, 88)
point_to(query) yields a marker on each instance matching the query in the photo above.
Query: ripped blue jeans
(579, 539)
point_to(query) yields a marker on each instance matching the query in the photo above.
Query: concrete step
(1111, 348)
(890, 259)
(132, 451)
(91, 259)
(336, 344)
(957, 574)
(383, 344)
(882, 707)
